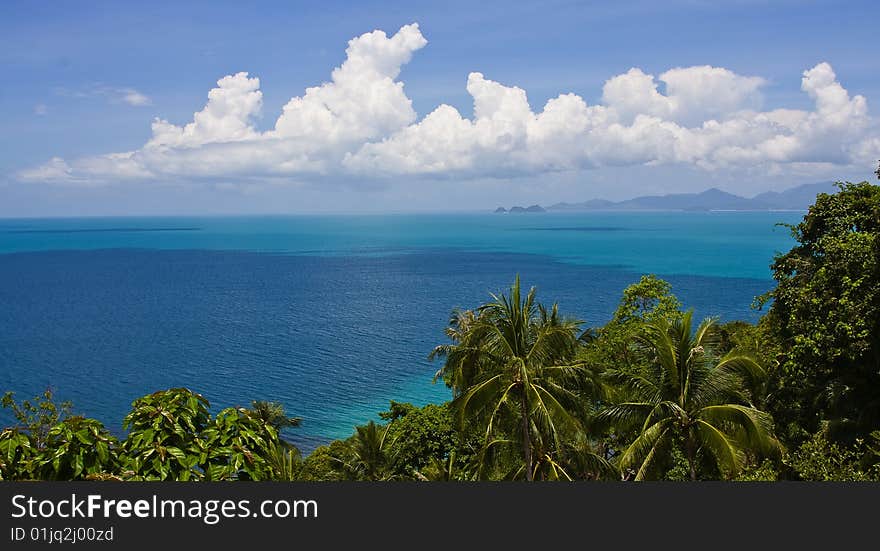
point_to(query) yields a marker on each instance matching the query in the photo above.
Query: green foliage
(874, 446)
(826, 316)
(27, 448)
(463, 357)
(766, 471)
(370, 454)
(77, 448)
(510, 375)
(646, 301)
(39, 415)
(649, 300)
(420, 435)
(579, 458)
(818, 459)
(690, 399)
(164, 436)
(754, 340)
(647, 396)
(284, 462)
(272, 413)
(16, 455)
(50, 444)
(172, 437)
(326, 463)
(448, 469)
(237, 442)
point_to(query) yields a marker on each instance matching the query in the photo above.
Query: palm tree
(462, 354)
(447, 469)
(284, 461)
(369, 454)
(690, 398)
(508, 364)
(580, 458)
(272, 413)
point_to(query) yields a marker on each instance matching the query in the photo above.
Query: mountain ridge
(796, 198)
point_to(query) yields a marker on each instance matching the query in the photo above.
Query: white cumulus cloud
(362, 101)
(693, 94)
(361, 124)
(227, 117)
(707, 118)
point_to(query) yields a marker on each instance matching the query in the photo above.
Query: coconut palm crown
(508, 368)
(689, 398)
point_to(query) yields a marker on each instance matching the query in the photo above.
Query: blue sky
(86, 80)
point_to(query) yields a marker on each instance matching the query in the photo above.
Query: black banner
(459, 515)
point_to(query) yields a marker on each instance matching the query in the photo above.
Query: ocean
(333, 316)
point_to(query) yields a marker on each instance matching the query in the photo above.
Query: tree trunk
(692, 458)
(527, 441)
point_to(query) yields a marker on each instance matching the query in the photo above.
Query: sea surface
(332, 316)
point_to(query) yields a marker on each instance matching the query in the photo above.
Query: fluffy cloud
(363, 101)
(362, 124)
(693, 94)
(706, 119)
(227, 117)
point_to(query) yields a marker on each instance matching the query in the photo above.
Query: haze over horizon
(210, 108)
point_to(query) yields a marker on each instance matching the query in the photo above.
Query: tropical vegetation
(654, 394)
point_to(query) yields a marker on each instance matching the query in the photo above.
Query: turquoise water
(736, 244)
(331, 315)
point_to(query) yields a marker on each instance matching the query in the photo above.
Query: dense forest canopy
(652, 395)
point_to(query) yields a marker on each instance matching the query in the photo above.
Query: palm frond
(643, 450)
(753, 427)
(725, 451)
(553, 414)
(746, 368)
(623, 416)
(476, 398)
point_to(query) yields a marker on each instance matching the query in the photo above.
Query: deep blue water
(331, 315)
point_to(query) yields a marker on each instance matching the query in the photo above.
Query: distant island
(714, 199)
(517, 210)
